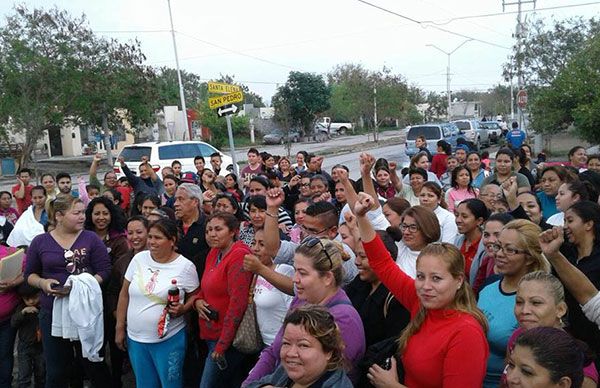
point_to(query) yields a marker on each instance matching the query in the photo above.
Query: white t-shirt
(271, 304)
(407, 259)
(150, 283)
(448, 228)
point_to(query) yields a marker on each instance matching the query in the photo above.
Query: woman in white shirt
(568, 194)
(271, 303)
(432, 198)
(144, 311)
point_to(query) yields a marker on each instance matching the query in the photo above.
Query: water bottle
(173, 294)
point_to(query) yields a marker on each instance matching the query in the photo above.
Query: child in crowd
(30, 358)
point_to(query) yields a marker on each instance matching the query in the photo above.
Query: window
(183, 151)
(430, 133)
(463, 125)
(134, 154)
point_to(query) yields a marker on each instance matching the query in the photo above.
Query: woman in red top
(445, 344)
(222, 300)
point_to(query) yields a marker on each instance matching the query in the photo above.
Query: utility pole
(448, 91)
(376, 126)
(188, 130)
(519, 61)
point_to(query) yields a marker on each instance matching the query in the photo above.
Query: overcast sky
(259, 42)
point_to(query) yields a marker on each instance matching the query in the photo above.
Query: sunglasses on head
(71, 265)
(310, 242)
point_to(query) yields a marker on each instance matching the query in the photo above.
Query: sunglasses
(71, 265)
(310, 242)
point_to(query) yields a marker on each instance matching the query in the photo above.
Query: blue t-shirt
(548, 204)
(515, 138)
(498, 308)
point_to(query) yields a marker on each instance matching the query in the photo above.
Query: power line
(448, 21)
(236, 51)
(426, 25)
(129, 31)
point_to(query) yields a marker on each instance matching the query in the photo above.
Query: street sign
(221, 88)
(522, 98)
(227, 110)
(226, 99)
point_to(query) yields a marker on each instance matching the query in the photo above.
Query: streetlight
(448, 70)
(188, 130)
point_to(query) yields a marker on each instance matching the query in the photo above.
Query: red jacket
(224, 286)
(450, 349)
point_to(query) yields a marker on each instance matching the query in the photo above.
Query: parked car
(473, 132)
(433, 133)
(325, 123)
(162, 154)
(278, 136)
(494, 130)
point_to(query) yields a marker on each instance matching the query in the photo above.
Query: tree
(304, 96)
(573, 97)
(41, 57)
(351, 93)
(168, 87)
(55, 71)
(240, 125)
(546, 50)
(249, 96)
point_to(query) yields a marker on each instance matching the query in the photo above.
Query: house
(465, 109)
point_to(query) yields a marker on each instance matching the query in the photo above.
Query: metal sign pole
(231, 145)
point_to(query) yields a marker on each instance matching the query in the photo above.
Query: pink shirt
(455, 196)
(8, 299)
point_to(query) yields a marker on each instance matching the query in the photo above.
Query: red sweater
(449, 350)
(438, 164)
(224, 287)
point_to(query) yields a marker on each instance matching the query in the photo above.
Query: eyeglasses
(310, 242)
(410, 227)
(510, 251)
(311, 231)
(71, 265)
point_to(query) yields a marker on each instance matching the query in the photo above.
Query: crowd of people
(458, 271)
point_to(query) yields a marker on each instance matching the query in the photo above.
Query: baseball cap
(189, 177)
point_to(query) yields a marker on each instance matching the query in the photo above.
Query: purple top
(351, 328)
(46, 258)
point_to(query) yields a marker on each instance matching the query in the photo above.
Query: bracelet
(271, 215)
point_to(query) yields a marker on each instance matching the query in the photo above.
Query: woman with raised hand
(504, 170)
(311, 352)
(576, 282)
(53, 257)
(518, 253)
(447, 329)
(582, 249)
(149, 326)
(541, 303)
(432, 198)
(317, 280)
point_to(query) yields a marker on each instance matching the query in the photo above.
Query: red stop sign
(522, 98)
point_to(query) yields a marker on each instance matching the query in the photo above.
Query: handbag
(248, 339)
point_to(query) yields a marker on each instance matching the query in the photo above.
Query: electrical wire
(448, 21)
(426, 25)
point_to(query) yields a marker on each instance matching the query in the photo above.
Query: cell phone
(212, 314)
(386, 364)
(60, 288)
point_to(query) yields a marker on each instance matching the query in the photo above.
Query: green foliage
(168, 87)
(493, 101)
(301, 99)
(573, 97)
(548, 48)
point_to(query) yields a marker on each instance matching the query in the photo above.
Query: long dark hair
(118, 222)
(589, 211)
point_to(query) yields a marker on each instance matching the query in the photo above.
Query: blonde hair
(529, 242)
(550, 281)
(61, 204)
(321, 253)
(464, 300)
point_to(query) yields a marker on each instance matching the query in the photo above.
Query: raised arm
(509, 189)
(280, 281)
(394, 178)
(94, 165)
(366, 165)
(275, 198)
(351, 195)
(574, 280)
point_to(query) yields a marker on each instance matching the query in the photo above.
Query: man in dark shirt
(148, 182)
